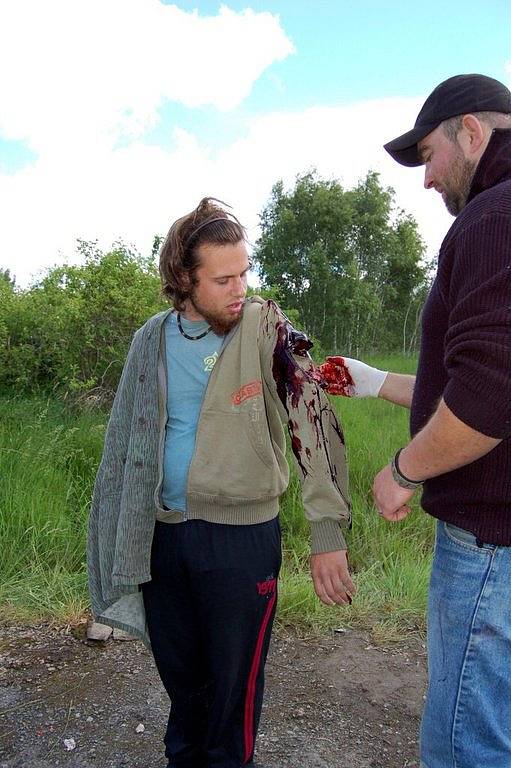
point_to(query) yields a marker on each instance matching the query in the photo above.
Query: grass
(47, 464)
(48, 460)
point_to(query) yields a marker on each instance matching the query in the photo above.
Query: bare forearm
(398, 388)
(444, 444)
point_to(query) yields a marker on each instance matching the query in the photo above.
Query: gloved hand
(350, 378)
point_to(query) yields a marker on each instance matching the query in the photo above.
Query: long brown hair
(208, 224)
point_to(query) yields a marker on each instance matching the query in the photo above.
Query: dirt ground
(336, 701)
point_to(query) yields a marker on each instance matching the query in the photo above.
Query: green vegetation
(71, 331)
(48, 460)
(347, 262)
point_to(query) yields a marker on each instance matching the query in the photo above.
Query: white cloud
(88, 73)
(84, 74)
(96, 69)
(137, 191)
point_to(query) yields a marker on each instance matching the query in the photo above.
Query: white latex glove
(351, 378)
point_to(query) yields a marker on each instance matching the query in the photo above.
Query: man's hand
(331, 577)
(390, 499)
(350, 378)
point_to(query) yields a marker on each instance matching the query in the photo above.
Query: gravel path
(332, 702)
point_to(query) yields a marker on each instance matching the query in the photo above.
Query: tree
(71, 331)
(345, 261)
(5, 277)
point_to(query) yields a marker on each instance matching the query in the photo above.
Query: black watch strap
(399, 478)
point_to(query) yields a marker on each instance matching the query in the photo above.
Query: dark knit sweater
(466, 350)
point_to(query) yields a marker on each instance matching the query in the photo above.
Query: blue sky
(116, 118)
(348, 51)
(360, 49)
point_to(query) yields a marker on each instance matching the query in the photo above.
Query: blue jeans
(467, 716)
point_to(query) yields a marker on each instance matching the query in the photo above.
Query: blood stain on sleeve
(290, 380)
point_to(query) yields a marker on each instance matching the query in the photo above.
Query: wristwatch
(399, 478)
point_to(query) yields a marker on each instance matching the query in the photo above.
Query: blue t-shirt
(189, 364)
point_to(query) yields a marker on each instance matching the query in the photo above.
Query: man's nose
(428, 178)
(240, 286)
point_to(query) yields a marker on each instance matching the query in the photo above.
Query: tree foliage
(5, 276)
(346, 262)
(71, 331)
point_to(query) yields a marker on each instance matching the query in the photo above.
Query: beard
(220, 324)
(457, 186)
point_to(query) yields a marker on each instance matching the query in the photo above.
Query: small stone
(97, 631)
(69, 744)
(140, 728)
(120, 634)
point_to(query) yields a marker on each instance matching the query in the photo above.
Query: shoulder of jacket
(154, 323)
(254, 303)
(266, 311)
(267, 306)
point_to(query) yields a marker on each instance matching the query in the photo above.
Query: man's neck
(191, 314)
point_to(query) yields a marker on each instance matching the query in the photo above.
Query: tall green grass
(48, 460)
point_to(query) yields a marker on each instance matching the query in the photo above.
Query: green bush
(71, 331)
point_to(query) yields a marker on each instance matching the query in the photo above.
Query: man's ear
(473, 136)
(185, 279)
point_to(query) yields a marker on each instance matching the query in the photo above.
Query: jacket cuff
(326, 536)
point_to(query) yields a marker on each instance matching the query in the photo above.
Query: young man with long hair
(184, 538)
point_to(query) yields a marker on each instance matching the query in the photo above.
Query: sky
(117, 116)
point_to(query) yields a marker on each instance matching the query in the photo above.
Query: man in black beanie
(460, 401)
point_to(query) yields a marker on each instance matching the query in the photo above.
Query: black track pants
(210, 607)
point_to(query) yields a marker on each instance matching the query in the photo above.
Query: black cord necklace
(186, 335)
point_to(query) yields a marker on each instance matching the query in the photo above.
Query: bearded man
(184, 539)
(460, 403)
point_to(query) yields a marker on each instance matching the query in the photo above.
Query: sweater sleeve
(119, 425)
(102, 527)
(478, 342)
(316, 437)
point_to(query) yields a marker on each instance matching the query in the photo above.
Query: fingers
(335, 389)
(344, 391)
(333, 592)
(395, 515)
(391, 500)
(332, 580)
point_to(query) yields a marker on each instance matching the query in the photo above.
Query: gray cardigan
(122, 518)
